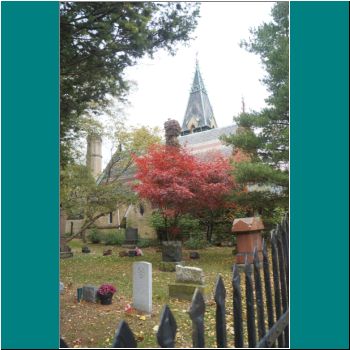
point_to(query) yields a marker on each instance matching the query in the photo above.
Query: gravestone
(142, 286)
(187, 280)
(194, 255)
(61, 287)
(189, 274)
(85, 249)
(65, 251)
(131, 235)
(107, 252)
(171, 255)
(123, 253)
(172, 251)
(90, 293)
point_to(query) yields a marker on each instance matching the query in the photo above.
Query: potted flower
(105, 293)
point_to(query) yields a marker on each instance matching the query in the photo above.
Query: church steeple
(199, 114)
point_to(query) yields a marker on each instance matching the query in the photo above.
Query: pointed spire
(199, 114)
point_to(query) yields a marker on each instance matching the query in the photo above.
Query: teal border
(319, 175)
(30, 171)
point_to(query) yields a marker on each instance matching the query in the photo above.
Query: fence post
(276, 284)
(196, 312)
(268, 294)
(250, 304)
(167, 329)
(259, 295)
(281, 262)
(220, 296)
(237, 308)
(124, 338)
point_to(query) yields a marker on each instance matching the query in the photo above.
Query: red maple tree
(176, 182)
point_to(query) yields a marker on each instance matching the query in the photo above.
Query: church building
(200, 134)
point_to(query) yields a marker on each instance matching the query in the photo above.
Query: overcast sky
(229, 72)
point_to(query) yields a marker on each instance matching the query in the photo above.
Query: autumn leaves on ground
(93, 325)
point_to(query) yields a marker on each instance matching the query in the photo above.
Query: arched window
(192, 128)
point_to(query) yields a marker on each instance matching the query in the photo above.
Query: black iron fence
(266, 297)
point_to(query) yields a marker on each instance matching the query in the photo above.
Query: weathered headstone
(61, 287)
(90, 293)
(107, 252)
(187, 280)
(123, 253)
(194, 255)
(142, 286)
(131, 235)
(65, 251)
(189, 274)
(172, 251)
(85, 249)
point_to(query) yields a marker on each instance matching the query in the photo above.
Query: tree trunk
(211, 226)
(86, 225)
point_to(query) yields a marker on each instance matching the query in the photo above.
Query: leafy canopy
(98, 40)
(177, 183)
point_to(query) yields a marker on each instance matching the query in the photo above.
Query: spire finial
(243, 105)
(197, 59)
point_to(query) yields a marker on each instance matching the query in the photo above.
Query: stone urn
(248, 237)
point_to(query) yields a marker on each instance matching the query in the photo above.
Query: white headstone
(142, 286)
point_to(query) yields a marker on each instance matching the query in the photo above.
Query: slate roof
(207, 135)
(206, 141)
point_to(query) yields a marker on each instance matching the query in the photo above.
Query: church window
(192, 128)
(142, 209)
(110, 219)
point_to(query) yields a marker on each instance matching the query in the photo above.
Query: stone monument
(90, 293)
(248, 231)
(142, 286)
(187, 280)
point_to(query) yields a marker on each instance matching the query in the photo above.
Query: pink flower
(106, 289)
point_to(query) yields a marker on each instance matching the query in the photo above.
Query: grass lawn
(93, 325)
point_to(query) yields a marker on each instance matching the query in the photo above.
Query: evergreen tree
(264, 136)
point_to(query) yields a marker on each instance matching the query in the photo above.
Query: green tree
(81, 195)
(98, 40)
(263, 137)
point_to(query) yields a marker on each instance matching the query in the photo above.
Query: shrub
(114, 238)
(143, 243)
(195, 243)
(95, 236)
(222, 233)
(187, 225)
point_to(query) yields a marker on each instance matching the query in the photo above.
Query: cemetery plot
(87, 324)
